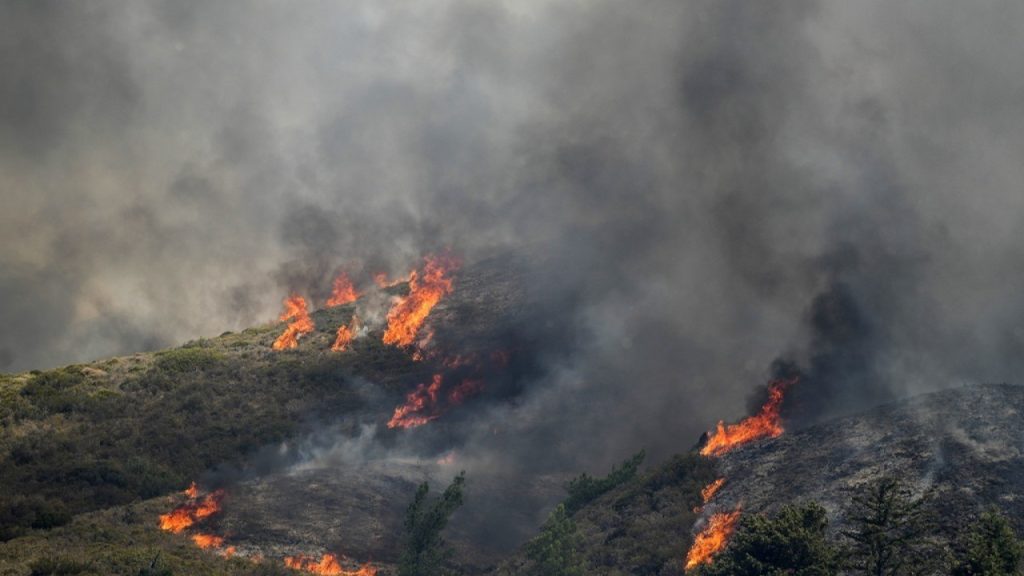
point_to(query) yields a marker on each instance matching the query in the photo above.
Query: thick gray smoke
(711, 185)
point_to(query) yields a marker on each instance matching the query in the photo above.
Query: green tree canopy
(792, 543)
(554, 552)
(990, 548)
(426, 553)
(890, 531)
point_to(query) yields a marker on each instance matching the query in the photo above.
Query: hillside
(92, 455)
(962, 446)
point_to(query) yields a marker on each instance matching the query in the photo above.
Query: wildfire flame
(415, 411)
(343, 292)
(192, 491)
(189, 513)
(294, 310)
(422, 406)
(381, 280)
(328, 565)
(765, 424)
(345, 335)
(710, 490)
(712, 538)
(425, 290)
(206, 541)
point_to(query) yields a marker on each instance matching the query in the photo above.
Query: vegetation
(88, 437)
(990, 548)
(793, 543)
(425, 552)
(584, 488)
(890, 531)
(555, 552)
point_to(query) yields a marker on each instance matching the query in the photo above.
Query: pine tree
(990, 548)
(890, 531)
(554, 551)
(426, 553)
(793, 543)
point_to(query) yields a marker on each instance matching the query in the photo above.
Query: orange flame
(425, 290)
(343, 292)
(327, 566)
(192, 491)
(712, 539)
(206, 541)
(710, 490)
(765, 424)
(189, 513)
(345, 335)
(381, 280)
(294, 310)
(415, 411)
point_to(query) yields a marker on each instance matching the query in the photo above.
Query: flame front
(418, 405)
(345, 335)
(425, 290)
(327, 566)
(189, 513)
(343, 293)
(765, 424)
(712, 538)
(294, 310)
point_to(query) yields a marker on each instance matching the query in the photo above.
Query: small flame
(345, 335)
(381, 280)
(294, 310)
(712, 539)
(425, 290)
(343, 293)
(328, 565)
(189, 513)
(418, 404)
(192, 491)
(765, 424)
(710, 490)
(206, 541)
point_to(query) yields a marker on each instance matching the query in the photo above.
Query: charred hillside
(960, 446)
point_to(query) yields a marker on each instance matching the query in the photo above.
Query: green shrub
(584, 488)
(59, 567)
(183, 360)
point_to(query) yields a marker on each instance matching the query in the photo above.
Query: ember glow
(419, 407)
(466, 389)
(765, 424)
(712, 539)
(343, 292)
(189, 513)
(426, 289)
(294, 310)
(327, 566)
(345, 335)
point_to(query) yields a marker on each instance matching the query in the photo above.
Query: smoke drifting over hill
(699, 187)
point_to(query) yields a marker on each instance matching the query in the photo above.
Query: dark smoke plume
(692, 189)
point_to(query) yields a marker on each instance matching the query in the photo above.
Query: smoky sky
(709, 186)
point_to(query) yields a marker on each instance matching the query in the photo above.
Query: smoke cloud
(695, 189)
